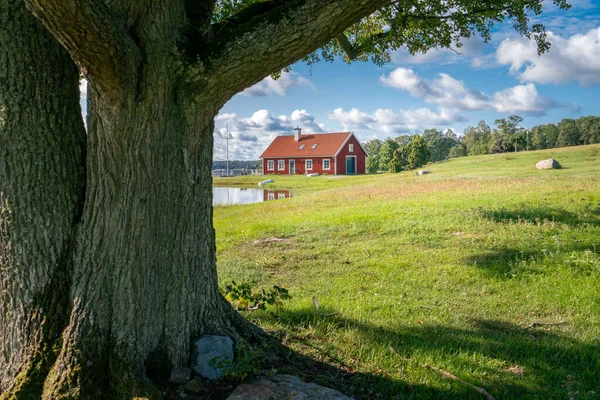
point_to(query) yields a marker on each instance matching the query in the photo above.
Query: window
(314, 146)
(280, 195)
(326, 164)
(270, 165)
(271, 196)
(308, 165)
(301, 146)
(351, 148)
(280, 165)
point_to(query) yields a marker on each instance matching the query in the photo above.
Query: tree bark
(144, 281)
(42, 179)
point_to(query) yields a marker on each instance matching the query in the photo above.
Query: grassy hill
(487, 268)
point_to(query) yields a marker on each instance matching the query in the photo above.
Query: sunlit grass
(447, 269)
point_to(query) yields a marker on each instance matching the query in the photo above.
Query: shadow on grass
(543, 216)
(552, 365)
(512, 262)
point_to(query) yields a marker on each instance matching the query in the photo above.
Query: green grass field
(448, 270)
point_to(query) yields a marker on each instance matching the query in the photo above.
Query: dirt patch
(270, 241)
(517, 370)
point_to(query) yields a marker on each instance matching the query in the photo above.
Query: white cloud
(279, 86)
(452, 94)
(251, 135)
(571, 59)
(306, 121)
(383, 122)
(522, 98)
(444, 90)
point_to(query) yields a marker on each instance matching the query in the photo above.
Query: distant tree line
(407, 152)
(236, 164)
(509, 136)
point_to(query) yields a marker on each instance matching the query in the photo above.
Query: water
(236, 195)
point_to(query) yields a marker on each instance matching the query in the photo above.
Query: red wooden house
(325, 153)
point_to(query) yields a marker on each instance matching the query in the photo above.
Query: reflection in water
(276, 194)
(233, 195)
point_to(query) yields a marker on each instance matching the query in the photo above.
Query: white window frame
(270, 165)
(280, 165)
(270, 196)
(351, 148)
(328, 167)
(306, 167)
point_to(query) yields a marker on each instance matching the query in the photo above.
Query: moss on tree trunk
(42, 177)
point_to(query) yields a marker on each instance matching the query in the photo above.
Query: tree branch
(268, 36)
(96, 39)
(355, 51)
(346, 46)
(199, 14)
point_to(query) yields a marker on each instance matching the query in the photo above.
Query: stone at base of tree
(422, 172)
(550, 163)
(194, 386)
(210, 353)
(286, 387)
(180, 375)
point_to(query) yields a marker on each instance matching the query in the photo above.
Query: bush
(457, 151)
(372, 164)
(417, 153)
(395, 164)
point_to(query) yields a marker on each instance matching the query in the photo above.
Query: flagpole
(227, 138)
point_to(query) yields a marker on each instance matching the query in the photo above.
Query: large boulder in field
(550, 163)
(210, 352)
(286, 387)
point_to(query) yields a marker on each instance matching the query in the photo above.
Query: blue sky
(439, 89)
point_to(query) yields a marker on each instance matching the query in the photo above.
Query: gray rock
(550, 163)
(284, 387)
(208, 350)
(180, 375)
(422, 172)
(195, 386)
(263, 183)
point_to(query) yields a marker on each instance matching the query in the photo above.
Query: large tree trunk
(42, 179)
(145, 280)
(142, 282)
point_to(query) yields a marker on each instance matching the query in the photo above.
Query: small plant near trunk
(247, 362)
(244, 297)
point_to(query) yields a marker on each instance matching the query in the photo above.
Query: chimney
(297, 134)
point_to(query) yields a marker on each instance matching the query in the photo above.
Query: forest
(507, 135)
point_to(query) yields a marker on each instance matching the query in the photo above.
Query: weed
(243, 296)
(247, 362)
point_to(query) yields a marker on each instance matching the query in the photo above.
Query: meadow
(486, 268)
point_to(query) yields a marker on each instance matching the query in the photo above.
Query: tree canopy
(416, 25)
